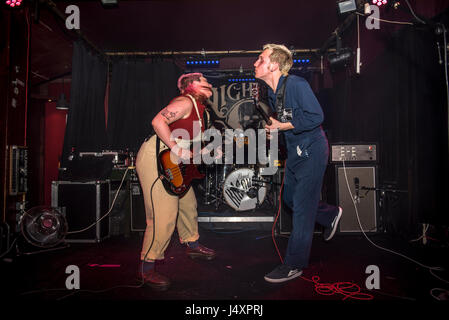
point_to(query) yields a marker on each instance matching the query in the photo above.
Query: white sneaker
(330, 232)
(282, 273)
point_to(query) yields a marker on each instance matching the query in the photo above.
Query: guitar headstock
(254, 89)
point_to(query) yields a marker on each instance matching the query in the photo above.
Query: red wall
(55, 123)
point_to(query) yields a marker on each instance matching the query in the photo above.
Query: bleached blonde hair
(281, 55)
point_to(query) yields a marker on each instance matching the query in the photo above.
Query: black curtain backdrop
(86, 130)
(399, 102)
(138, 91)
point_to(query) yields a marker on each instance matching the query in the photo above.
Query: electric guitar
(266, 117)
(177, 178)
(255, 95)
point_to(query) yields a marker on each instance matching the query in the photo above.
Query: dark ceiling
(176, 25)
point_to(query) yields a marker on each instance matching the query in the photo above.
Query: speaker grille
(366, 203)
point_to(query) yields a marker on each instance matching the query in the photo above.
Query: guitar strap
(197, 113)
(280, 110)
(160, 170)
(282, 113)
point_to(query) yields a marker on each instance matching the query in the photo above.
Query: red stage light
(14, 3)
(380, 2)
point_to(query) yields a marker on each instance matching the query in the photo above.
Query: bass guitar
(177, 178)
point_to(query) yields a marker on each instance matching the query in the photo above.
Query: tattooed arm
(179, 108)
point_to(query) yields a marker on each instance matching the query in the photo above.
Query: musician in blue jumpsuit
(299, 119)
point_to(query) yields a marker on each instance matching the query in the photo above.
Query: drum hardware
(252, 192)
(214, 177)
(266, 181)
(241, 187)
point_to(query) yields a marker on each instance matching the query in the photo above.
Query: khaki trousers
(169, 211)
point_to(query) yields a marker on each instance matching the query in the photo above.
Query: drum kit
(242, 187)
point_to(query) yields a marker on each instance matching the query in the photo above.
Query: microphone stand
(387, 189)
(266, 181)
(383, 193)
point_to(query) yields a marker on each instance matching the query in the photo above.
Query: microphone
(357, 188)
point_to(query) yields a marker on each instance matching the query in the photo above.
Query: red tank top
(187, 123)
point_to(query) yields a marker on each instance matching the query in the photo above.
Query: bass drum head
(239, 192)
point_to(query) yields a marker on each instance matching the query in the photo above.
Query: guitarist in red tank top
(166, 210)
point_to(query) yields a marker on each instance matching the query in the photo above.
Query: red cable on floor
(347, 289)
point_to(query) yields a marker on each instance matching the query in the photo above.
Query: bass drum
(239, 191)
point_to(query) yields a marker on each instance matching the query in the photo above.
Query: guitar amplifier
(363, 216)
(18, 170)
(354, 152)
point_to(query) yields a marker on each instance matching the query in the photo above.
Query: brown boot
(156, 280)
(201, 252)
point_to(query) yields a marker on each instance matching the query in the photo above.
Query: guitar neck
(262, 112)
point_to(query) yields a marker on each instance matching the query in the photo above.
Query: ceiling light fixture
(345, 6)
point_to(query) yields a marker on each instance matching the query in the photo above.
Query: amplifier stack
(355, 180)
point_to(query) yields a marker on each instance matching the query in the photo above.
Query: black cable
(9, 249)
(413, 13)
(154, 220)
(110, 209)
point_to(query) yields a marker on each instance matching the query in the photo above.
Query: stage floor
(108, 270)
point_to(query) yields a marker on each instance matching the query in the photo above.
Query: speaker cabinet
(284, 224)
(83, 203)
(137, 205)
(347, 179)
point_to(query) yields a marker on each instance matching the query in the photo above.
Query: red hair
(187, 79)
(185, 85)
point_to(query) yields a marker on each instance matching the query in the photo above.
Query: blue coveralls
(307, 155)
